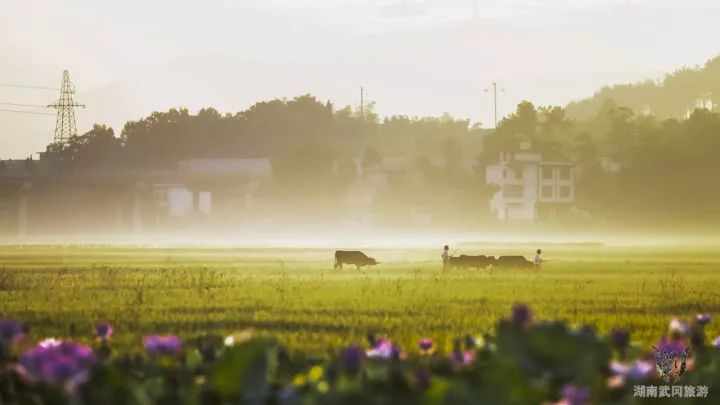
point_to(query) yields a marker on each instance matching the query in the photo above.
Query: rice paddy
(294, 295)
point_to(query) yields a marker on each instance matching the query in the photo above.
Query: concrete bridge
(42, 198)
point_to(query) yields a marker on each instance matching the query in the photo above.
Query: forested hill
(670, 97)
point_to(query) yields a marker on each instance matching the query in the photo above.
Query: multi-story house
(532, 186)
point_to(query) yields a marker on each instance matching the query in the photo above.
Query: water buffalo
(359, 259)
(516, 262)
(471, 261)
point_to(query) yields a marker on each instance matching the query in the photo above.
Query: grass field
(296, 296)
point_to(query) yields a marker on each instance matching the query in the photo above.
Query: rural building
(533, 185)
(609, 165)
(211, 184)
(373, 179)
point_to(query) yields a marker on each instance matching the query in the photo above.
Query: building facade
(531, 187)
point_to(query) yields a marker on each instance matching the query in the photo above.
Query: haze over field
(415, 57)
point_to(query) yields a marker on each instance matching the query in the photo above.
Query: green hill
(672, 96)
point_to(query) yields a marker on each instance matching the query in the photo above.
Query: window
(512, 173)
(547, 192)
(512, 191)
(547, 173)
(565, 192)
(565, 173)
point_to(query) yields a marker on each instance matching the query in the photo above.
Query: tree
(523, 122)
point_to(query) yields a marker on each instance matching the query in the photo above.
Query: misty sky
(416, 57)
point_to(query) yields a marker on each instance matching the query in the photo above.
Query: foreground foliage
(522, 362)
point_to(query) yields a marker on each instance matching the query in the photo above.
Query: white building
(372, 180)
(531, 187)
(203, 179)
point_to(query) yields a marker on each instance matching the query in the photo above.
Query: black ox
(502, 262)
(514, 262)
(354, 257)
(477, 262)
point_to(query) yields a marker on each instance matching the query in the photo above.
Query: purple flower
(60, 370)
(468, 357)
(352, 358)
(425, 345)
(11, 331)
(82, 354)
(60, 362)
(169, 345)
(703, 319)
(620, 338)
(618, 368)
(574, 395)
(459, 358)
(716, 342)
(671, 346)
(641, 369)
(521, 315)
(382, 348)
(104, 331)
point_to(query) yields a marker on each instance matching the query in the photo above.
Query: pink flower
(166, 345)
(382, 348)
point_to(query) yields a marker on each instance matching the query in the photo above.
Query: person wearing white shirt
(538, 260)
(446, 256)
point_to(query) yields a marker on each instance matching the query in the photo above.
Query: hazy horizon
(414, 57)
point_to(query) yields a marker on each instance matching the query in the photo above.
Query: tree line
(667, 167)
(671, 97)
(314, 148)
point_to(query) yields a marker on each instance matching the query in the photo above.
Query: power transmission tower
(494, 89)
(65, 126)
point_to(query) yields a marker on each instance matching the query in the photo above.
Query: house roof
(255, 167)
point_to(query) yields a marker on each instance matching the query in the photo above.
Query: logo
(670, 364)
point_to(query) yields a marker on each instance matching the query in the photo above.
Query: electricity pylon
(65, 126)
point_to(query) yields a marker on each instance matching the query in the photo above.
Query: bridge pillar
(138, 207)
(118, 216)
(195, 201)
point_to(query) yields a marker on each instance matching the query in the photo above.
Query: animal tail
(456, 249)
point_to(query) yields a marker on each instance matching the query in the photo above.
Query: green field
(297, 297)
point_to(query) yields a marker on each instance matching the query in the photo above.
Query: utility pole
(494, 89)
(362, 103)
(65, 126)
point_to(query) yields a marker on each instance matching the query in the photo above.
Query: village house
(533, 186)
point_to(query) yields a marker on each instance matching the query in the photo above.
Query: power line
(25, 112)
(24, 105)
(24, 86)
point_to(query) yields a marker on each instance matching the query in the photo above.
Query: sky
(414, 57)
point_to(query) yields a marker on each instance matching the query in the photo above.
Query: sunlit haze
(428, 57)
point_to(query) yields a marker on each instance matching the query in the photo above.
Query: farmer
(446, 256)
(538, 260)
